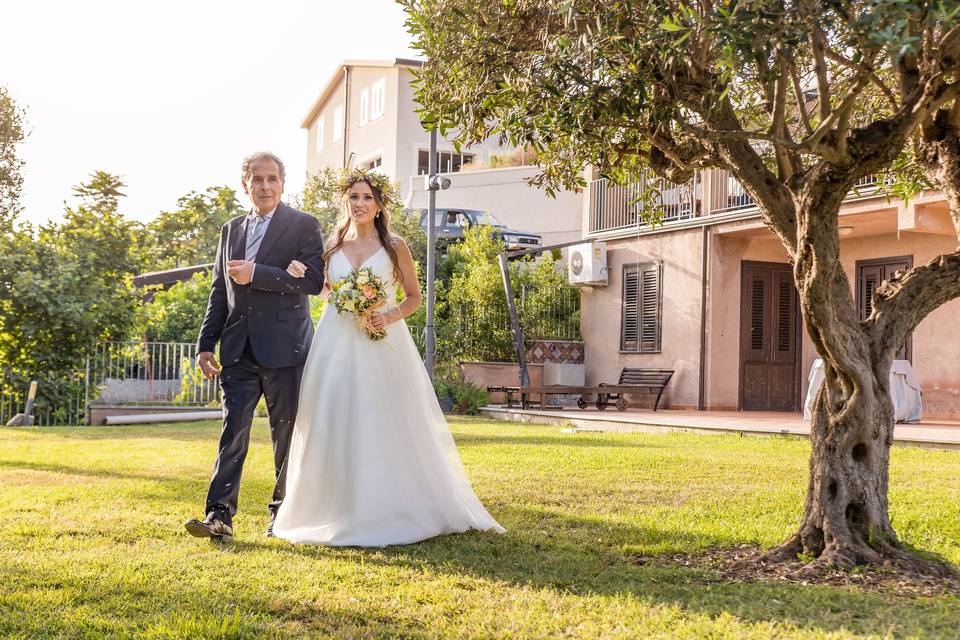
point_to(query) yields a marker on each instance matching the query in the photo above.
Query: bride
(371, 460)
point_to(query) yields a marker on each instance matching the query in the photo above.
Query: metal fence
(150, 373)
(163, 373)
(710, 192)
(115, 373)
(482, 331)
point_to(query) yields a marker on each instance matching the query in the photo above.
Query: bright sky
(172, 94)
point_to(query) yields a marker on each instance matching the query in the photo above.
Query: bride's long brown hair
(381, 221)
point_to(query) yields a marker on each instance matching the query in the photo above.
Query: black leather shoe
(210, 528)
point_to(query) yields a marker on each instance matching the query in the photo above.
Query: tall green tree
(11, 180)
(175, 314)
(68, 284)
(798, 100)
(188, 236)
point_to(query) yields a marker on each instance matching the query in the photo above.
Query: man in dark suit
(260, 314)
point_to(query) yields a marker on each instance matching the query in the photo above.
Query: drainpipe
(346, 112)
(701, 393)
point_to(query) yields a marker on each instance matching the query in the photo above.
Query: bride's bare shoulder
(399, 244)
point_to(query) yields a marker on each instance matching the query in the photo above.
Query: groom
(261, 316)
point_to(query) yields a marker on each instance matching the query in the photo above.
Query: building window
(447, 161)
(364, 107)
(373, 164)
(640, 317)
(377, 92)
(338, 124)
(319, 135)
(870, 275)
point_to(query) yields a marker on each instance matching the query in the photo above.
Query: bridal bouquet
(360, 293)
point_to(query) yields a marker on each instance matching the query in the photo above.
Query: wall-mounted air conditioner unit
(587, 263)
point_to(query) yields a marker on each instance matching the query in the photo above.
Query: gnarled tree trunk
(845, 520)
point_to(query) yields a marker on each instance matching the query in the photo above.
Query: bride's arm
(325, 291)
(411, 287)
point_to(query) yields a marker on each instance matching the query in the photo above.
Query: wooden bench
(632, 380)
(508, 391)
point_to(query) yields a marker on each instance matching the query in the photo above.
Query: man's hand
(297, 269)
(208, 364)
(240, 271)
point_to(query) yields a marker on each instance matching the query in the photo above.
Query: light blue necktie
(254, 236)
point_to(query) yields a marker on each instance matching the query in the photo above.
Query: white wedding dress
(371, 460)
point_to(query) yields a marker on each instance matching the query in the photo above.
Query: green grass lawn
(92, 543)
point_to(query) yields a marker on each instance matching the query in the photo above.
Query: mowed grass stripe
(92, 545)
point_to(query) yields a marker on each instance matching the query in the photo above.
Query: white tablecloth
(904, 391)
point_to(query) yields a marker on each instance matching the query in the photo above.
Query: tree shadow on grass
(584, 556)
(151, 610)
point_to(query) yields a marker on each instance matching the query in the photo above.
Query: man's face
(264, 185)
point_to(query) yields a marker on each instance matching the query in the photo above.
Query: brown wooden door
(870, 275)
(769, 338)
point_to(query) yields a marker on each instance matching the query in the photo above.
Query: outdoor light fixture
(435, 182)
(844, 231)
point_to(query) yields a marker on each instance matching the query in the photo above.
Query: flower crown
(380, 182)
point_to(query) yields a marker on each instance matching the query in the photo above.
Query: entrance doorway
(769, 338)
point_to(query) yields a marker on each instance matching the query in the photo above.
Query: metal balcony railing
(711, 192)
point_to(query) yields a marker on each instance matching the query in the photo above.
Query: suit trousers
(242, 385)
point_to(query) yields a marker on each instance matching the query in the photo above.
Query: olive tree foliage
(798, 100)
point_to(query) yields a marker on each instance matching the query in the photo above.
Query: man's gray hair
(257, 157)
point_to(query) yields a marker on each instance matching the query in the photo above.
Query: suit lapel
(279, 222)
(238, 239)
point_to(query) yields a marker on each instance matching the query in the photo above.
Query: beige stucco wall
(601, 313)
(331, 155)
(936, 342)
(723, 312)
(397, 136)
(505, 193)
(936, 347)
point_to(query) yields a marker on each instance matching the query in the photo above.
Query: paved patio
(930, 433)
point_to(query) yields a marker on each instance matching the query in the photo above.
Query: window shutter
(757, 308)
(641, 318)
(650, 309)
(629, 327)
(870, 278)
(784, 314)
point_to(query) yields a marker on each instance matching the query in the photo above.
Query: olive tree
(798, 100)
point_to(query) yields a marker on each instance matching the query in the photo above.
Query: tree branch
(820, 65)
(837, 153)
(801, 100)
(741, 134)
(850, 64)
(901, 303)
(788, 163)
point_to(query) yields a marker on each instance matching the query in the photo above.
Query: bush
(464, 398)
(174, 315)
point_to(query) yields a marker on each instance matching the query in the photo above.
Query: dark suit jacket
(273, 311)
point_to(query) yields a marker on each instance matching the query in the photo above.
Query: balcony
(710, 193)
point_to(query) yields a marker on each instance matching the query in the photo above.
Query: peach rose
(368, 292)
